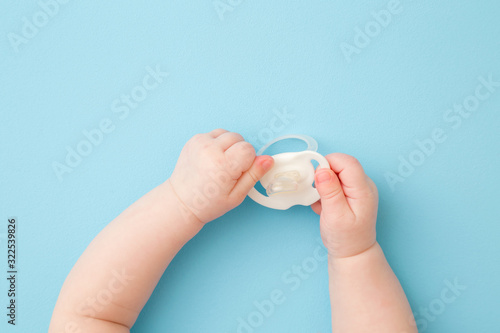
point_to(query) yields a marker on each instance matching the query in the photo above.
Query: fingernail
(267, 164)
(323, 177)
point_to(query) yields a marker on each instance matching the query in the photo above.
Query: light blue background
(441, 223)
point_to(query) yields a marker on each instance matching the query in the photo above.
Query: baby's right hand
(347, 208)
(214, 173)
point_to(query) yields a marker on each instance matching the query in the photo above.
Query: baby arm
(113, 279)
(365, 294)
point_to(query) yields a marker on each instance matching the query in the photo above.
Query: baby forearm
(113, 279)
(125, 262)
(366, 295)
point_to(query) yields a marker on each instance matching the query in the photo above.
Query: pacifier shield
(289, 182)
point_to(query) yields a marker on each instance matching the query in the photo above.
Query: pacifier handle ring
(311, 143)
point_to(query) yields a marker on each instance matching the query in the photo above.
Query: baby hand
(347, 208)
(214, 173)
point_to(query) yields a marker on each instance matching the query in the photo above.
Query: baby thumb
(330, 191)
(249, 178)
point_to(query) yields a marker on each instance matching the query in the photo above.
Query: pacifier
(290, 181)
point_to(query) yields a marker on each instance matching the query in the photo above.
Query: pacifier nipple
(287, 181)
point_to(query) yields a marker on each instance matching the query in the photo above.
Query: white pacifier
(289, 181)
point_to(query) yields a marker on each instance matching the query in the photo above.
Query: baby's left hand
(214, 173)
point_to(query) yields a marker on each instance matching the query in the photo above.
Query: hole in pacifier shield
(315, 166)
(260, 189)
(285, 146)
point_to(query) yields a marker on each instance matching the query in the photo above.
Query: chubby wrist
(361, 258)
(177, 213)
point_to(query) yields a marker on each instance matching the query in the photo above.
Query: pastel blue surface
(438, 223)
